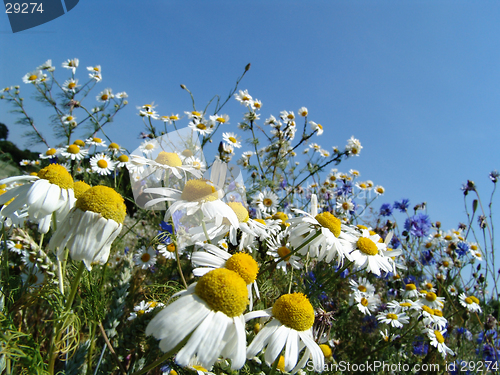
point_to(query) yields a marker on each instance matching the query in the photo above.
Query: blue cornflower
(418, 225)
(465, 332)
(462, 249)
(403, 205)
(345, 189)
(420, 347)
(427, 257)
(386, 210)
(166, 227)
(410, 279)
(395, 242)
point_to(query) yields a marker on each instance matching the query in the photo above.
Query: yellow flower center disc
(294, 311)
(201, 126)
(240, 211)
(80, 187)
(280, 216)
(362, 288)
(233, 140)
(102, 163)
(439, 337)
(169, 158)
(223, 290)
(123, 158)
(145, 257)
(284, 251)
(327, 220)
(364, 301)
(431, 297)
(474, 299)
(392, 316)
(428, 309)
(114, 146)
(327, 351)
(410, 287)
(244, 265)
(51, 151)
(58, 175)
(79, 143)
(267, 202)
(73, 149)
(260, 221)
(197, 190)
(171, 247)
(367, 246)
(32, 77)
(187, 153)
(468, 301)
(105, 201)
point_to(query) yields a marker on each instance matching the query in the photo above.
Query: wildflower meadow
(207, 250)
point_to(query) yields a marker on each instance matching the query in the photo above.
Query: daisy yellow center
(429, 286)
(104, 97)
(173, 372)
(439, 337)
(18, 246)
(473, 247)
(280, 216)
(428, 245)
(32, 77)
(405, 304)
(171, 247)
(196, 113)
(201, 126)
(145, 257)
(105, 201)
(79, 143)
(362, 288)
(364, 301)
(223, 290)
(33, 174)
(367, 246)
(199, 368)
(149, 146)
(362, 185)
(468, 300)
(244, 265)
(114, 146)
(169, 158)
(327, 351)
(256, 328)
(102, 163)
(281, 363)
(173, 117)
(431, 297)
(479, 255)
(123, 158)
(73, 149)
(283, 251)
(233, 140)
(197, 190)
(345, 206)
(438, 312)
(380, 190)
(80, 187)
(327, 220)
(71, 85)
(268, 202)
(294, 311)
(222, 121)
(51, 151)
(187, 153)
(447, 237)
(58, 175)
(428, 309)
(392, 316)
(240, 211)
(474, 299)
(446, 263)
(260, 221)
(410, 287)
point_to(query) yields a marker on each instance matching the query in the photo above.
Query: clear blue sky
(418, 82)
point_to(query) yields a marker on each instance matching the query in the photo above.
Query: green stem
(275, 366)
(205, 231)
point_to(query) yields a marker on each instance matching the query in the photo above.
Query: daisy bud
(247, 67)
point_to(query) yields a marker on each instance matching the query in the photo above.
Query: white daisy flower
(475, 251)
(289, 328)
(147, 110)
(49, 154)
(392, 318)
(168, 250)
(148, 147)
(279, 250)
(210, 314)
(70, 85)
(410, 291)
(94, 141)
(222, 119)
(51, 191)
(47, 65)
(369, 253)
(115, 148)
(172, 163)
(102, 164)
(344, 204)
(266, 201)
(232, 139)
(326, 237)
(363, 286)
(33, 278)
(303, 111)
(437, 340)
(16, 247)
(471, 303)
(287, 116)
(122, 161)
(365, 303)
(318, 128)
(244, 97)
(353, 146)
(25, 162)
(452, 289)
(241, 263)
(34, 77)
(121, 95)
(200, 126)
(379, 190)
(432, 317)
(91, 226)
(432, 300)
(105, 95)
(145, 258)
(71, 64)
(74, 152)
